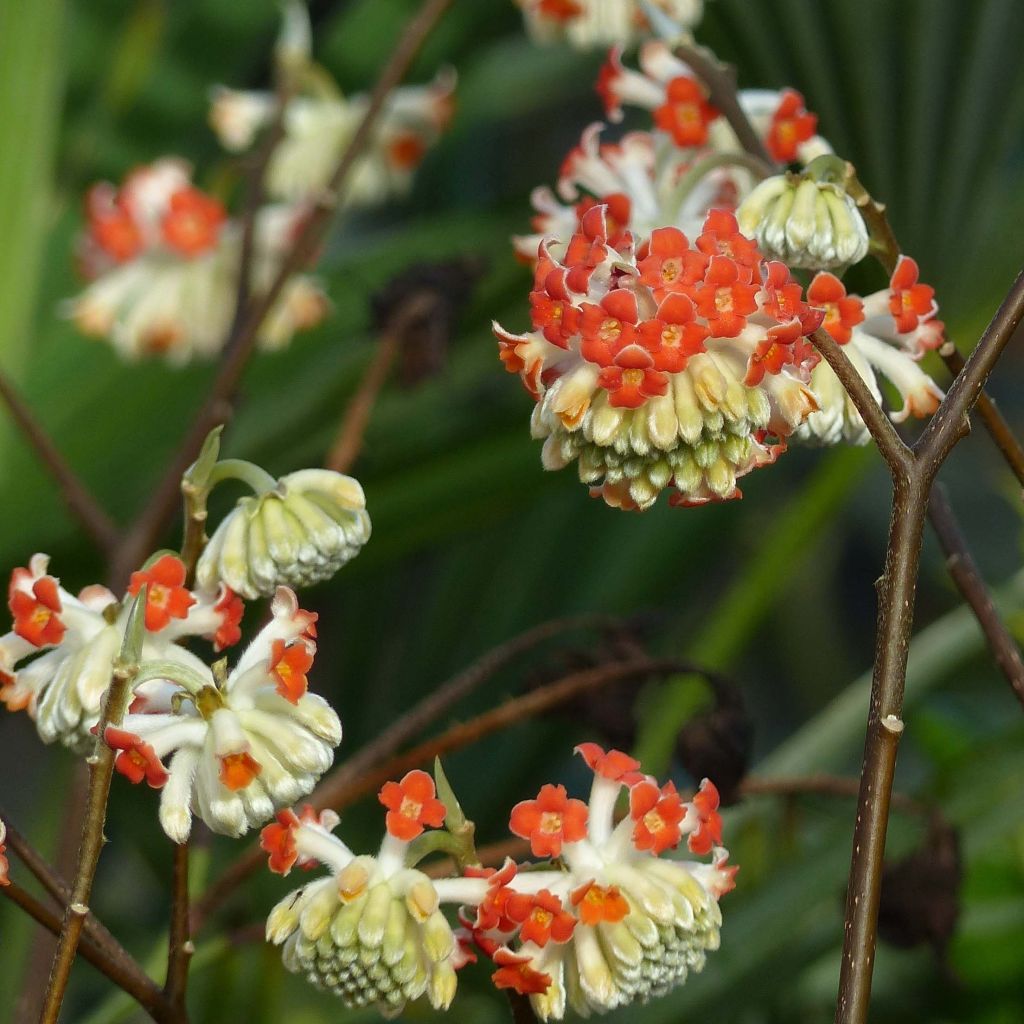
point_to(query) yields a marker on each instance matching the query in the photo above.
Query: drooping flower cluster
(606, 922)
(658, 405)
(163, 262)
(73, 641)
(238, 744)
(300, 531)
(587, 24)
(656, 362)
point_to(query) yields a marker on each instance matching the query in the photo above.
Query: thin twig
(349, 440)
(403, 729)
(522, 1011)
(179, 944)
(968, 579)
(843, 787)
(217, 408)
(83, 505)
(100, 775)
(130, 979)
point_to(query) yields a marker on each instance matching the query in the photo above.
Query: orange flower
(231, 609)
(492, 912)
(686, 113)
(289, 663)
(549, 821)
(708, 832)
(657, 813)
(609, 327)
(670, 265)
(166, 595)
(724, 299)
(238, 770)
(842, 312)
(278, 839)
(909, 302)
(541, 916)
(516, 973)
(137, 760)
(36, 612)
(412, 804)
(192, 223)
(614, 764)
(597, 903)
(791, 125)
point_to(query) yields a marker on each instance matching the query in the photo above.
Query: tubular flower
(883, 335)
(240, 744)
(641, 923)
(804, 223)
(299, 531)
(686, 365)
(74, 641)
(162, 259)
(319, 123)
(590, 24)
(371, 931)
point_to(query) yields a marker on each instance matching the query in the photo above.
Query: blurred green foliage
(472, 541)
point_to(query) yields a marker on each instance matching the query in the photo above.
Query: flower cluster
(603, 922)
(587, 24)
(73, 641)
(658, 362)
(163, 262)
(238, 744)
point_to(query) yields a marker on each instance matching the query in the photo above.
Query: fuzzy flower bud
(804, 223)
(301, 530)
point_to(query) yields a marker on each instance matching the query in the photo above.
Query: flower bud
(804, 223)
(300, 533)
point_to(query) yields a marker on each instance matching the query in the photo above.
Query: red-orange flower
(618, 210)
(560, 10)
(598, 903)
(278, 839)
(137, 760)
(909, 301)
(708, 832)
(614, 764)
(541, 917)
(724, 299)
(608, 328)
(549, 821)
(412, 804)
(632, 379)
(406, 152)
(192, 222)
(492, 912)
(516, 973)
(842, 312)
(722, 237)
(686, 113)
(231, 608)
(166, 595)
(791, 125)
(37, 611)
(238, 770)
(773, 352)
(111, 226)
(670, 264)
(658, 814)
(674, 336)
(289, 663)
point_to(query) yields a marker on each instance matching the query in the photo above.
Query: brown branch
(217, 408)
(101, 770)
(839, 786)
(968, 579)
(129, 977)
(403, 729)
(83, 505)
(522, 1010)
(179, 944)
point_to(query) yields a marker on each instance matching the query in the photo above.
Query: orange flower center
(672, 335)
(671, 269)
(610, 330)
(787, 131)
(410, 809)
(543, 917)
(723, 300)
(653, 821)
(41, 616)
(832, 314)
(688, 113)
(633, 378)
(550, 822)
(159, 595)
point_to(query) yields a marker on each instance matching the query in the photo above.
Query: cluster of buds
(587, 24)
(319, 123)
(298, 531)
(73, 641)
(163, 262)
(603, 921)
(655, 362)
(238, 744)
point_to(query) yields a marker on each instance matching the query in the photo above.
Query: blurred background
(474, 543)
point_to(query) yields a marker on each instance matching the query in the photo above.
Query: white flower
(590, 24)
(299, 531)
(165, 262)
(240, 744)
(77, 639)
(320, 124)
